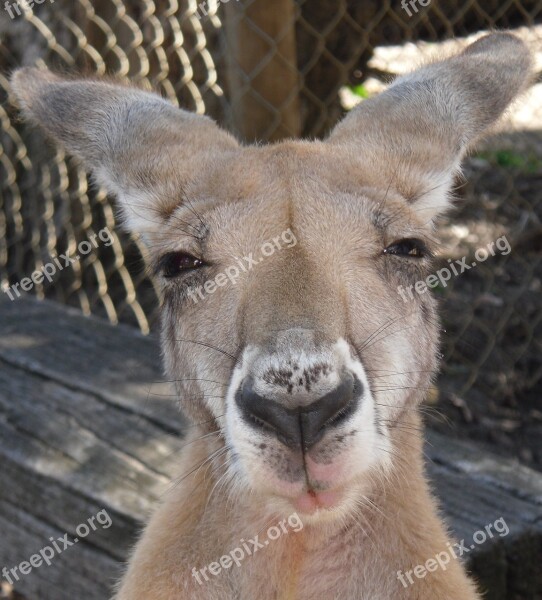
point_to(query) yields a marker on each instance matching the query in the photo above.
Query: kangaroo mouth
(311, 501)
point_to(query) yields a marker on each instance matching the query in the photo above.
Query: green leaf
(359, 90)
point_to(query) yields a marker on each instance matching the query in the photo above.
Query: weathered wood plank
(477, 488)
(79, 434)
(80, 571)
(504, 473)
(468, 506)
(25, 398)
(117, 364)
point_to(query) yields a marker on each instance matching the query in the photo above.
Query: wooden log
(79, 433)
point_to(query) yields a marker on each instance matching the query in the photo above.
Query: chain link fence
(267, 70)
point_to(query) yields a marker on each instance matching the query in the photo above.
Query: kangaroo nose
(302, 426)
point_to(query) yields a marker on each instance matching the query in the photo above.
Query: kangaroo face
(307, 358)
(283, 327)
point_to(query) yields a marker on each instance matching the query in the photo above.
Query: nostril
(331, 410)
(268, 415)
(304, 426)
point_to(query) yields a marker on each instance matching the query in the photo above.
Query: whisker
(207, 345)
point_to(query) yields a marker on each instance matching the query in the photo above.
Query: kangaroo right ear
(414, 135)
(138, 146)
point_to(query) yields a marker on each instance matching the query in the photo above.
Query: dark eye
(408, 247)
(175, 263)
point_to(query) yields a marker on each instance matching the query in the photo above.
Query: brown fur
(383, 175)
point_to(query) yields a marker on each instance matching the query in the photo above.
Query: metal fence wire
(267, 70)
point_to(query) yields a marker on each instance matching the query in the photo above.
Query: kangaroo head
(280, 265)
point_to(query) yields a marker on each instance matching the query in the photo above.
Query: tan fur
(328, 305)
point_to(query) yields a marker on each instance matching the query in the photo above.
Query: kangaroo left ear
(415, 134)
(137, 145)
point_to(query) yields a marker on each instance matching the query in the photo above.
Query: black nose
(302, 426)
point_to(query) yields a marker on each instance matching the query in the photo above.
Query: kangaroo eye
(175, 263)
(408, 247)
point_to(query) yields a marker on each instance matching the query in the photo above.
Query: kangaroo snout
(299, 427)
(302, 419)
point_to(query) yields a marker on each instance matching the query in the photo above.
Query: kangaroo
(302, 376)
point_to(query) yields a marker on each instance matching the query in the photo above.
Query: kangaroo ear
(415, 134)
(138, 146)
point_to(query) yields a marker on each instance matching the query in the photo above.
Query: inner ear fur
(414, 135)
(137, 145)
